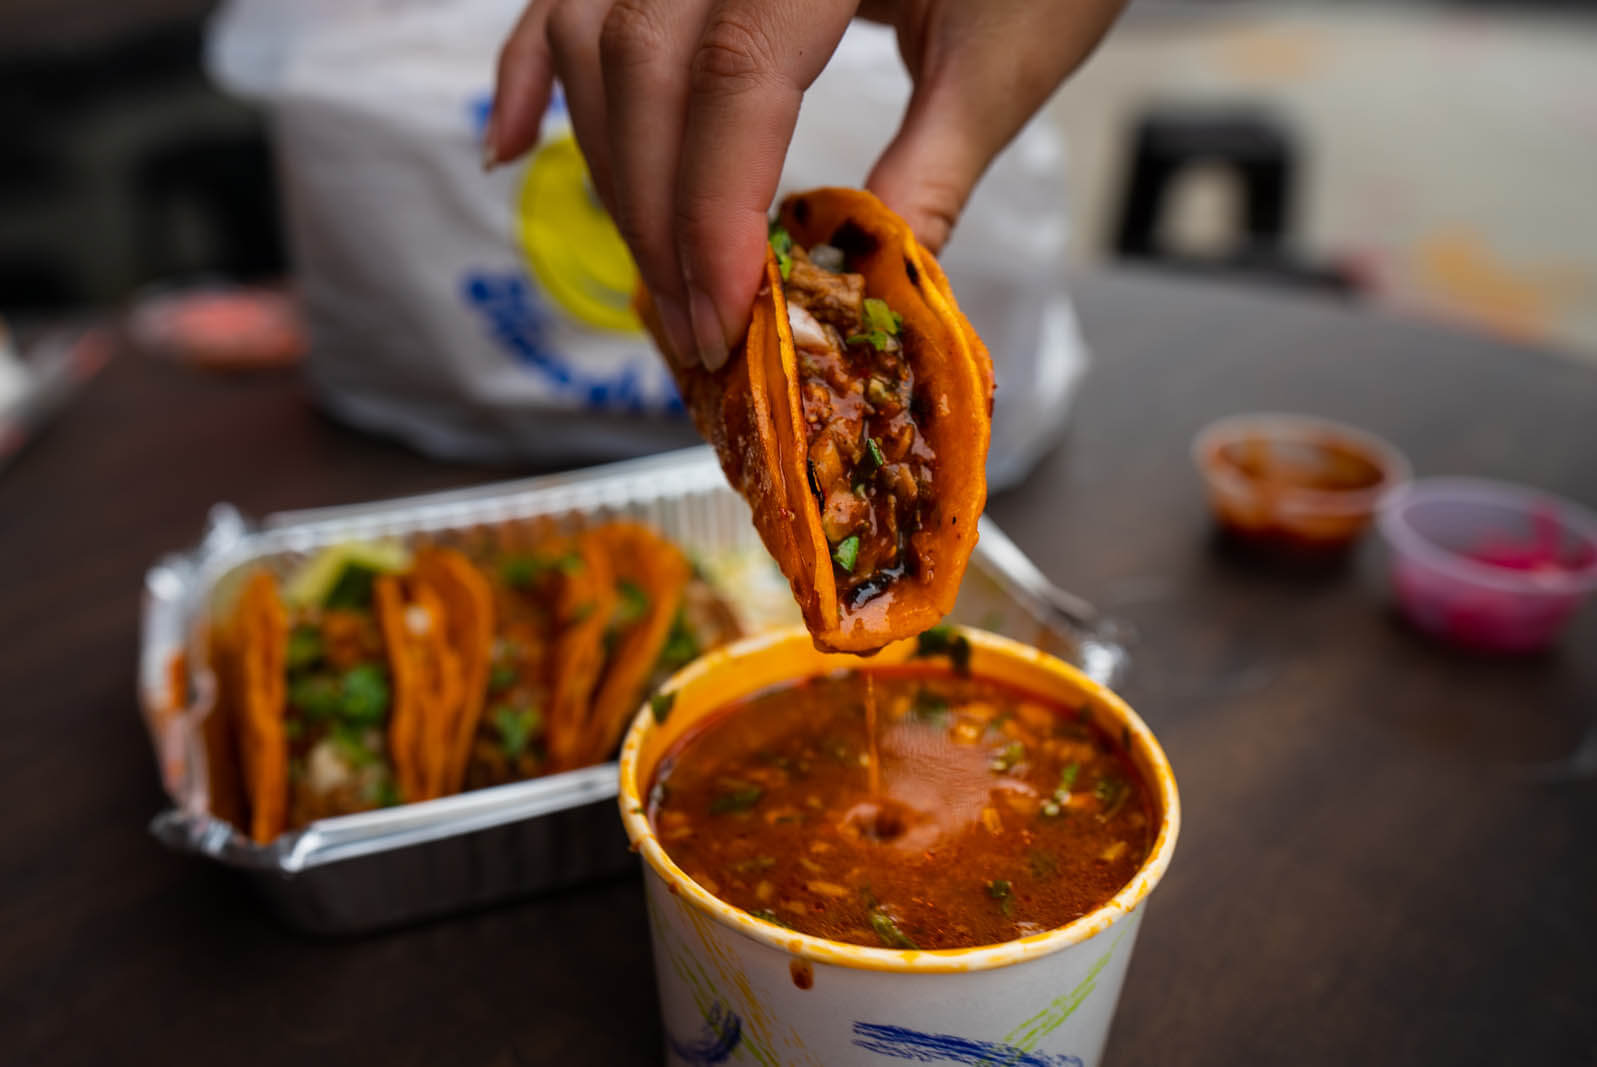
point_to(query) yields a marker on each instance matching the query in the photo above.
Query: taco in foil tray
(348, 684)
(665, 615)
(553, 594)
(587, 625)
(376, 676)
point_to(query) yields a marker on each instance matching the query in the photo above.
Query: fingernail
(490, 142)
(707, 330)
(678, 330)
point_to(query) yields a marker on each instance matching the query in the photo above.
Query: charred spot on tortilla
(854, 241)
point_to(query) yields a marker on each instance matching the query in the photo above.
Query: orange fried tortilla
(469, 610)
(651, 575)
(586, 600)
(428, 684)
(364, 701)
(262, 634)
(854, 419)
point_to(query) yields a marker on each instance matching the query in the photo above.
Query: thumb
(934, 161)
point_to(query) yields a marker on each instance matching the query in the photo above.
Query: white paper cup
(735, 989)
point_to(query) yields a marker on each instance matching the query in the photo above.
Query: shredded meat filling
(870, 467)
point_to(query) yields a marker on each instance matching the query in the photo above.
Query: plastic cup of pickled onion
(734, 988)
(1488, 565)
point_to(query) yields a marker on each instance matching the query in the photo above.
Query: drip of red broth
(873, 746)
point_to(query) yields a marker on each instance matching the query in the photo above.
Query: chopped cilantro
(359, 697)
(681, 647)
(364, 694)
(782, 245)
(846, 554)
(740, 799)
(1067, 781)
(633, 603)
(387, 795)
(877, 339)
(944, 640)
(503, 676)
(521, 572)
(767, 915)
(888, 931)
(660, 705)
(873, 452)
(304, 647)
(353, 589)
(353, 745)
(517, 727)
(1000, 891)
(881, 323)
(1008, 756)
(1111, 793)
(878, 316)
(316, 695)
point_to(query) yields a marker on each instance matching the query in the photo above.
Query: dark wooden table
(1388, 855)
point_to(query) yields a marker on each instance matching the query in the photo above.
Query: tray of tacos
(389, 711)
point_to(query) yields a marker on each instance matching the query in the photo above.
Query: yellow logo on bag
(573, 247)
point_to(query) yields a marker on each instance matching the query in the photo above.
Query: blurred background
(1433, 158)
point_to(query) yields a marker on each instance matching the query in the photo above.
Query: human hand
(684, 110)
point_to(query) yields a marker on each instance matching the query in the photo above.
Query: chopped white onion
(807, 331)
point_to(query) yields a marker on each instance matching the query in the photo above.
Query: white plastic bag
(484, 316)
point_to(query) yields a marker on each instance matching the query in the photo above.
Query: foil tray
(384, 868)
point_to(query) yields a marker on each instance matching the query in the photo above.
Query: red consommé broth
(1000, 813)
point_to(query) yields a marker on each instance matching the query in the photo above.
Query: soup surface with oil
(994, 814)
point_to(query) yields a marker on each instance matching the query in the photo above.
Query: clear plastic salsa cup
(1295, 483)
(737, 989)
(1489, 565)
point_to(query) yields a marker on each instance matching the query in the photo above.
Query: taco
(854, 419)
(348, 687)
(552, 601)
(665, 616)
(260, 635)
(467, 599)
(650, 575)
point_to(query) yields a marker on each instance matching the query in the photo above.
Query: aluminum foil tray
(384, 868)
